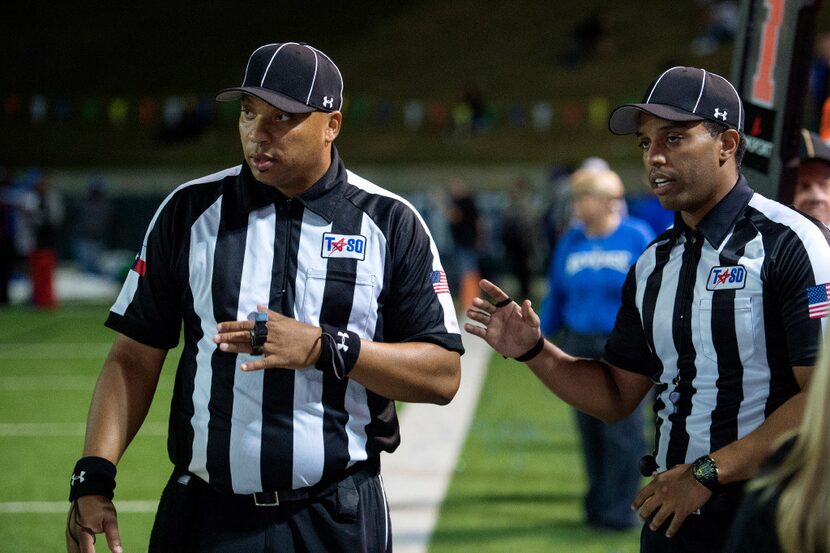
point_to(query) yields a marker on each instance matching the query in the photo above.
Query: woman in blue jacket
(584, 282)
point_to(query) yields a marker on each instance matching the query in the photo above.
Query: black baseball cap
(291, 76)
(811, 146)
(683, 94)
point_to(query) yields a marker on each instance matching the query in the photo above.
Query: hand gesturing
(509, 328)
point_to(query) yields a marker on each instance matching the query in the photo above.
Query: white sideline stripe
(46, 383)
(417, 475)
(52, 429)
(48, 507)
(34, 351)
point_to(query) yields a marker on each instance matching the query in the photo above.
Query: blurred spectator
(594, 163)
(465, 228)
(92, 226)
(719, 26)
(812, 187)
(7, 256)
(588, 37)
(43, 212)
(557, 214)
(785, 509)
(518, 234)
(584, 293)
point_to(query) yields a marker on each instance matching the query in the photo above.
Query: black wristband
(92, 476)
(534, 351)
(339, 351)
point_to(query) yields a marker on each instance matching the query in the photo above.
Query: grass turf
(520, 479)
(48, 365)
(517, 487)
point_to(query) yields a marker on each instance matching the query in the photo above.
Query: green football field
(517, 485)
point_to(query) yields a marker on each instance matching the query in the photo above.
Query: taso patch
(727, 278)
(349, 246)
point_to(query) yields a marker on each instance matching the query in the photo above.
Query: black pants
(704, 533)
(350, 517)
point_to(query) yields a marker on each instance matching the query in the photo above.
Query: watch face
(702, 470)
(705, 471)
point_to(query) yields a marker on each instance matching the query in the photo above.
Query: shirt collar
(716, 224)
(322, 197)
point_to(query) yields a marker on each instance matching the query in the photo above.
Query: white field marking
(417, 475)
(47, 383)
(34, 351)
(59, 429)
(48, 507)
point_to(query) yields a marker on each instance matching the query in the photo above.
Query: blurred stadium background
(126, 92)
(484, 91)
(481, 90)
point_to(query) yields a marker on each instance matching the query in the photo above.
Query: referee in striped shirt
(308, 300)
(721, 316)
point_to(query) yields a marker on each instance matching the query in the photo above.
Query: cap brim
(279, 101)
(626, 119)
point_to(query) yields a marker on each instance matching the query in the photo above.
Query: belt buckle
(266, 499)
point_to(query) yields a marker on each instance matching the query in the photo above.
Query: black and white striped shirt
(347, 253)
(718, 316)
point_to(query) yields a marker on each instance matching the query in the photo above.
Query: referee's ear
(335, 119)
(729, 140)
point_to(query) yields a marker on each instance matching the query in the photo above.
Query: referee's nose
(257, 129)
(654, 154)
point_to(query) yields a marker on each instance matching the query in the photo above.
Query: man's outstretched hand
(509, 328)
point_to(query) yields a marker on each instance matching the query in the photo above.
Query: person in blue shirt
(584, 293)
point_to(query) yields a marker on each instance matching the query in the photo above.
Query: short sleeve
(419, 305)
(627, 347)
(148, 308)
(796, 277)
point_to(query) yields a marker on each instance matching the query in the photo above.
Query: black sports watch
(705, 471)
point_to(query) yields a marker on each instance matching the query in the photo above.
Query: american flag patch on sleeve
(817, 304)
(439, 282)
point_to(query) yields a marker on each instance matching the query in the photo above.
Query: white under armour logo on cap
(720, 114)
(328, 102)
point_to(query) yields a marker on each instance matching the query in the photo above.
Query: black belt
(358, 472)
